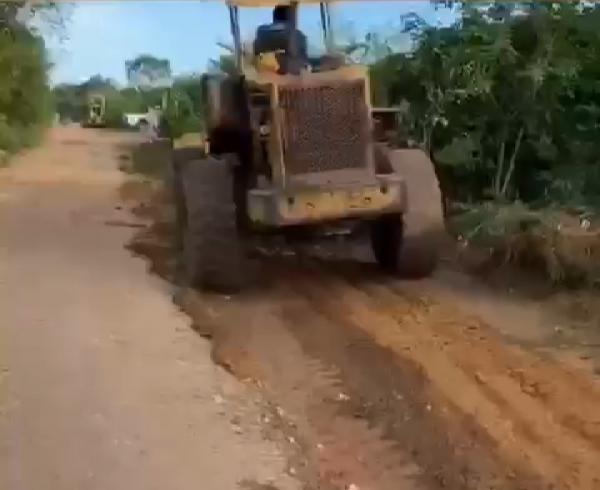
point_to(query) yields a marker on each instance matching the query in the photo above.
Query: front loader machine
(299, 150)
(95, 116)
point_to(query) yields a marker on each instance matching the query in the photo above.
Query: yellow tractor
(96, 111)
(292, 144)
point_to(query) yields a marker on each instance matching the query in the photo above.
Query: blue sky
(100, 35)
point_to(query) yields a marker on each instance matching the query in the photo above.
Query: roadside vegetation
(150, 85)
(507, 103)
(25, 102)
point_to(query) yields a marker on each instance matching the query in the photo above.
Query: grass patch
(190, 140)
(564, 246)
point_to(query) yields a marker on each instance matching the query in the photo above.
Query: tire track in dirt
(342, 440)
(392, 428)
(354, 443)
(385, 388)
(491, 360)
(522, 428)
(396, 399)
(340, 444)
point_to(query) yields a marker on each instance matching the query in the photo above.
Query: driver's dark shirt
(273, 37)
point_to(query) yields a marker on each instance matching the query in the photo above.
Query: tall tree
(505, 94)
(147, 71)
(24, 92)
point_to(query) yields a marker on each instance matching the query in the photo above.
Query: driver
(283, 38)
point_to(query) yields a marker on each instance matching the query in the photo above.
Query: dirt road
(103, 385)
(387, 383)
(348, 379)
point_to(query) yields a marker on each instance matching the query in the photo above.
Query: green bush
(9, 136)
(115, 108)
(25, 103)
(561, 243)
(503, 96)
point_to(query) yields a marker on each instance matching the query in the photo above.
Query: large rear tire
(179, 158)
(212, 254)
(386, 241)
(409, 244)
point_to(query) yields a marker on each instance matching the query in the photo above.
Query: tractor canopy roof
(273, 3)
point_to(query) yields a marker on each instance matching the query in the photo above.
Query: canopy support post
(326, 25)
(234, 20)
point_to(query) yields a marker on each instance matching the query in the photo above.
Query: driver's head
(282, 13)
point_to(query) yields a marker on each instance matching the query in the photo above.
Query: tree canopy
(24, 93)
(504, 98)
(147, 71)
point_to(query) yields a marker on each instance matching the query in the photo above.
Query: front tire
(212, 255)
(409, 244)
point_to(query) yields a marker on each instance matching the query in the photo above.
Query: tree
(68, 102)
(225, 63)
(504, 95)
(147, 71)
(25, 101)
(191, 85)
(24, 93)
(47, 16)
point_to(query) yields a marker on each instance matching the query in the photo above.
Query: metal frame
(326, 26)
(324, 23)
(234, 21)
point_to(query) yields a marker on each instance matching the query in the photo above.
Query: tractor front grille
(324, 127)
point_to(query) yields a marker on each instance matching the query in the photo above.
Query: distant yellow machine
(96, 111)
